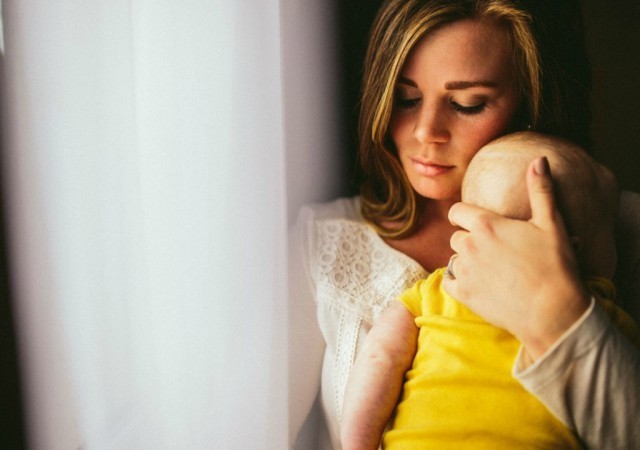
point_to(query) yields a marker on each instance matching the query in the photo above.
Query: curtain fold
(149, 187)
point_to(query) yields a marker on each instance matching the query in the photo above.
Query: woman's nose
(432, 126)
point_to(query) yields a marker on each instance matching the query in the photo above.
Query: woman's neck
(433, 210)
(429, 243)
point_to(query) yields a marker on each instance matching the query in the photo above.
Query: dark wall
(355, 18)
(613, 42)
(11, 423)
(11, 414)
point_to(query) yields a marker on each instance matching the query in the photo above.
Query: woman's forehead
(463, 51)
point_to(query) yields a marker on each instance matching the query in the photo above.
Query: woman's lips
(430, 169)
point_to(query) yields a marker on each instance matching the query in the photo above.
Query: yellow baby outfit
(460, 392)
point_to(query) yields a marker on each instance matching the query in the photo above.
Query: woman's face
(456, 92)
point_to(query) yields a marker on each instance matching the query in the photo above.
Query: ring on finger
(449, 271)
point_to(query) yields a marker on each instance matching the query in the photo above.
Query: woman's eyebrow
(407, 81)
(454, 85)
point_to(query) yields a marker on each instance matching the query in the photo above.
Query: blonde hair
(387, 196)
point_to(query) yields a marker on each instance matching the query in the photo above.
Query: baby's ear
(576, 242)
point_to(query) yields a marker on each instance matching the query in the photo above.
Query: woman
(441, 79)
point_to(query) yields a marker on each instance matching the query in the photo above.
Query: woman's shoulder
(350, 267)
(335, 221)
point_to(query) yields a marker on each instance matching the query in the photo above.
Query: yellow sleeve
(412, 299)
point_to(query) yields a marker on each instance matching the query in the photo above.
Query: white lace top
(343, 275)
(355, 275)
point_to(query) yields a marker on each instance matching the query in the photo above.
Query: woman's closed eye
(468, 109)
(407, 102)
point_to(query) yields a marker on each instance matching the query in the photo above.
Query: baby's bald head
(586, 192)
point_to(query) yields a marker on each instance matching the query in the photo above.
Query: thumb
(540, 188)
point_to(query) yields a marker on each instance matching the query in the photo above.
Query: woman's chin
(439, 195)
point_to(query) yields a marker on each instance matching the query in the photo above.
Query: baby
(457, 390)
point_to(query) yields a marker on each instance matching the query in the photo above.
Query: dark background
(11, 423)
(613, 42)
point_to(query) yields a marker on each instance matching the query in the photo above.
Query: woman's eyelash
(470, 110)
(407, 103)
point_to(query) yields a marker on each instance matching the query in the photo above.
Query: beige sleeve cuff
(562, 348)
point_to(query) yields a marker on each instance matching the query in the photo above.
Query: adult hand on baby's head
(519, 275)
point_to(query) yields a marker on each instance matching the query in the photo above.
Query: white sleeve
(306, 344)
(590, 379)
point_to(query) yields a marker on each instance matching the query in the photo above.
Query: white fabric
(145, 169)
(352, 275)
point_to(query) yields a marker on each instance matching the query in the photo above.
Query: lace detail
(357, 271)
(357, 276)
(346, 347)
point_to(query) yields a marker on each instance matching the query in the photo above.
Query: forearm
(371, 396)
(546, 325)
(376, 380)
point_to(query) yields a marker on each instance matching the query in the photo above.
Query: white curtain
(154, 154)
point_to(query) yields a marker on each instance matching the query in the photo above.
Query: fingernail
(541, 167)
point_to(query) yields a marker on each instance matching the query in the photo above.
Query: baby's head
(586, 192)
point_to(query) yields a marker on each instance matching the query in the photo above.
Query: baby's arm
(377, 377)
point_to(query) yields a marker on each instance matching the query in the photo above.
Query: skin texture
(377, 377)
(455, 94)
(490, 246)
